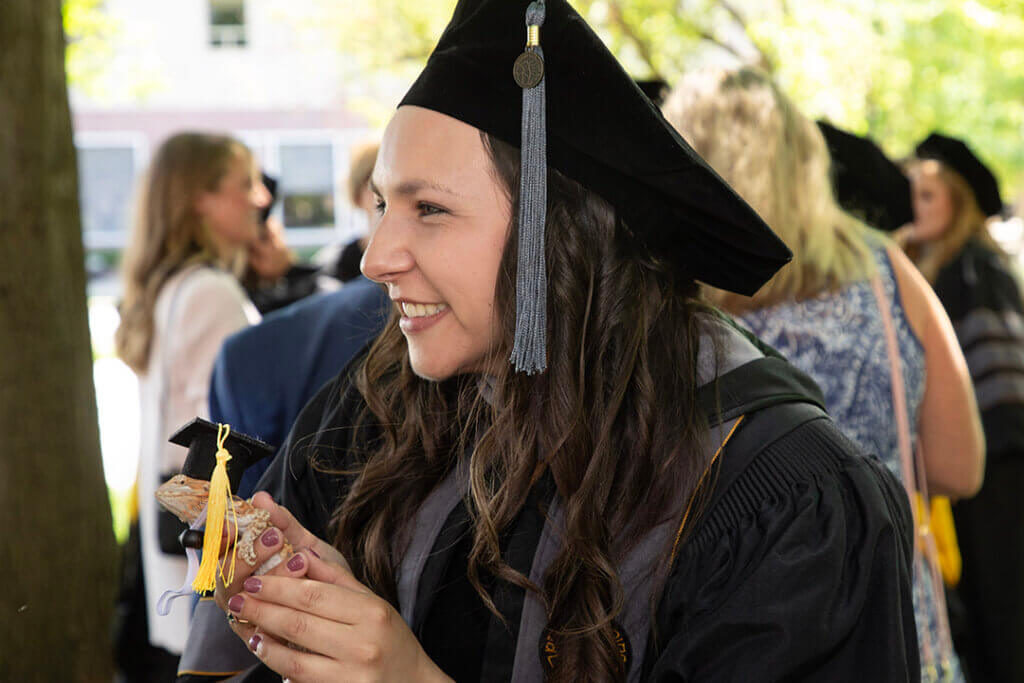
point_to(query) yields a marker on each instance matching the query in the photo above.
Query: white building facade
(256, 69)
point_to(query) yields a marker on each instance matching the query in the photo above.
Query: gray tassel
(529, 348)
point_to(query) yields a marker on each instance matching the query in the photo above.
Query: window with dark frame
(227, 23)
(106, 176)
(307, 185)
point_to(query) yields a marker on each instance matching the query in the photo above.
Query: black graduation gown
(797, 570)
(983, 300)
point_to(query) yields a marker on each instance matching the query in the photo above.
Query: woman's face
(933, 203)
(231, 212)
(442, 219)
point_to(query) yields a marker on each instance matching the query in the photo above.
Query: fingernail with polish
(313, 553)
(254, 642)
(235, 603)
(270, 538)
(296, 563)
(252, 584)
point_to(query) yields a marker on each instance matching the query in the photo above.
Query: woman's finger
(316, 598)
(296, 625)
(339, 574)
(299, 537)
(294, 666)
(241, 628)
(266, 545)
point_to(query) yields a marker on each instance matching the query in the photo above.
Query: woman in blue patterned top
(821, 311)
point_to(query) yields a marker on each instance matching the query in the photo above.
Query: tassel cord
(529, 346)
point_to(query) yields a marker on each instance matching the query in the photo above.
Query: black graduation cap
(866, 182)
(959, 157)
(200, 437)
(602, 131)
(654, 88)
(271, 184)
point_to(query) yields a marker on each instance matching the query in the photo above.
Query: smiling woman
(612, 512)
(436, 248)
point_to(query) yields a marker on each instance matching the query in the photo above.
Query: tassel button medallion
(528, 70)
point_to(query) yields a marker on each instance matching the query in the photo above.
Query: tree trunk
(58, 555)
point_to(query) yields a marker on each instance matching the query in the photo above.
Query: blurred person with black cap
(849, 304)
(643, 492)
(196, 214)
(954, 194)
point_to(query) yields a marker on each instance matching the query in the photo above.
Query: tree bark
(58, 554)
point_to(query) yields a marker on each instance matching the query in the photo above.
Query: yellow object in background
(938, 517)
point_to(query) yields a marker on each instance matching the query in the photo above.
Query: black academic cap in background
(655, 89)
(271, 184)
(603, 132)
(959, 157)
(866, 182)
(200, 437)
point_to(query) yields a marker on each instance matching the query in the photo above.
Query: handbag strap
(912, 464)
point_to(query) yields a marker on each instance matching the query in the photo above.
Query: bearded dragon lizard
(186, 498)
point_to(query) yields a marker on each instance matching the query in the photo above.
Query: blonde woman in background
(953, 196)
(821, 312)
(197, 213)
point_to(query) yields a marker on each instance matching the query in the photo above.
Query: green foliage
(892, 69)
(88, 31)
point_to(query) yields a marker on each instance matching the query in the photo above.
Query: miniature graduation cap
(217, 454)
(200, 437)
(565, 100)
(866, 182)
(959, 157)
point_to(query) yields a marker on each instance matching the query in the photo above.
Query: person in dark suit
(264, 375)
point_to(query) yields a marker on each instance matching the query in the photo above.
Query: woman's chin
(431, 367)
(437, 368)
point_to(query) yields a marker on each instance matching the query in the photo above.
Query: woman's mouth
(418, 317)
(411, 310)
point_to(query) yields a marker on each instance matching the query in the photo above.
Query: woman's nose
(388, 253)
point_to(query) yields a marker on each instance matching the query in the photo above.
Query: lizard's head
(184, 496)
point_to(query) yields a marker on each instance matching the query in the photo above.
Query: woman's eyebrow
(410, 187)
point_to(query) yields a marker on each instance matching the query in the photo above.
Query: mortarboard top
(654, 88)
(867, 183)
(200, 437)
(959, 157)
(603, 132)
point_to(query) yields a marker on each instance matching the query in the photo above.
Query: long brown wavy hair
(168, 233)
(613, 420)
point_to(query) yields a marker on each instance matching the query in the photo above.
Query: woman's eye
(379, 206)
(429, 209)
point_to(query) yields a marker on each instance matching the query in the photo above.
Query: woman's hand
(344, 630)
(283, 526)
(269, 255)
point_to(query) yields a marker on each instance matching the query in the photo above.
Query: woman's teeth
(421, 310)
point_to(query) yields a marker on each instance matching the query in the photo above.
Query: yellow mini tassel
(216, 512)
